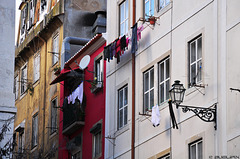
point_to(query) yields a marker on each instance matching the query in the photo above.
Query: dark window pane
(161, 69)
(125, 95)
(199, 48)
(151, 78)
(151, 99)
(120, 118)
(125, 115)
(146, 101)
(193, 74)
(193, 51)
(162, 93)
(121, 99)
(167, 69)
(200, 150)
(167, 89)
(146, 82)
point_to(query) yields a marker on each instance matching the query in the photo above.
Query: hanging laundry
(155, 116)
(114, 48)
(139, 30)
(77, 93)
(123, 43)
(134, 39)
(106, 52)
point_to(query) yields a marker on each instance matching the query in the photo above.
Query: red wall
(94, 112)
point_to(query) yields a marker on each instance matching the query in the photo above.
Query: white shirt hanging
(155, 116)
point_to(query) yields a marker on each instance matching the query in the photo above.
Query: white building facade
(7, 106)
(193, 41)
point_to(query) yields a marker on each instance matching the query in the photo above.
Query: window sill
(34, 148)
(121, 130)
(96, 88)
(52, 135)
(36, 83)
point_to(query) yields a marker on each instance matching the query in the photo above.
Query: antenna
(84, 62)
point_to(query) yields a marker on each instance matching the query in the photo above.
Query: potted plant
(152, 20)
(57, 70)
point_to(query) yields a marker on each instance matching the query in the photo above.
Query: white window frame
(55, 48)
(36, 71)
(24, 79)
(147, 92)
(163, 3)
(16, 86)
(122, 106)
(165, 81)
(123, 7)
(99, 70)
(53, 116)
(97, 144)
(195, 65)
(34, 130)
(150, 10)
(197, 149)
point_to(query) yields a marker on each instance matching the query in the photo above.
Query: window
(99, 70)
(195, 61)
(148, 87)
(97, 144)
(21, 142)
(96, 130)
(165, 157)
(76, 155)
(31, 6)
(55, 49)
(162, 4)
(164, 80)
(36, 70)
(122, 107)
(149, 8)
(124, 18)
(195, 150)
(23, 79)
(53, 115)
(43, 5)
(16, 86)
(34, 130)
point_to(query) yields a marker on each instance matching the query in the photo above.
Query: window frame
(125, 20)
(165, 80)
(124, 106)
(165, 3)
(150, 10)
(36, 71)
(99, 62)
(54, 115)
(97, 137)
(198, 77)
(55, 53)
(21, 141)
(34, 130)
(16, 86)
(195, 143)
(23, 85)
(149, 90)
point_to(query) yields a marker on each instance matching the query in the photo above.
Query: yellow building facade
(36, 61)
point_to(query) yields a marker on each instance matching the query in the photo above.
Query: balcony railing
(73, 118)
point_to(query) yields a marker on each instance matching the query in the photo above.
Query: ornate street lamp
(177, 95)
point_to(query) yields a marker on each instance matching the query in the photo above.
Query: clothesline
(119, 45)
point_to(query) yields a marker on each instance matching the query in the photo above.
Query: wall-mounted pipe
(133, 89)
(66, 49)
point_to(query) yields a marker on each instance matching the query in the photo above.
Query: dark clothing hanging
(174, 122)
(123, 43)
(134, 39)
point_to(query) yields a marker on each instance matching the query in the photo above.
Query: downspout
(66, 50)
(44, 88)
(133, 89)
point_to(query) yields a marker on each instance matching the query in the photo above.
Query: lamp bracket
(205, 114)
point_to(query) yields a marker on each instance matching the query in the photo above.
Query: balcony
(73, 118)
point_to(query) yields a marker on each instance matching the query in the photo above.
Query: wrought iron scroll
(205, 114)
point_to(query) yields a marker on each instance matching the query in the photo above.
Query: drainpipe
(44, 89)
(66, 50)
(133, 89)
